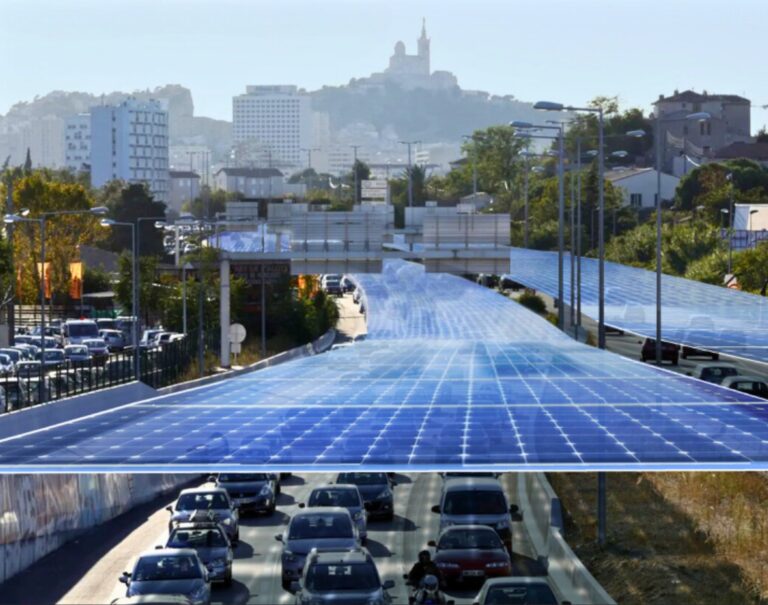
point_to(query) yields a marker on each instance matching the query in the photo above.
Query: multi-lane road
(65, 577)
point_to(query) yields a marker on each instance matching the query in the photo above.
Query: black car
(250, 492)
(669, 351)
(376, 490)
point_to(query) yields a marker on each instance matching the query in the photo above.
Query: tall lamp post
(354, 171)
(698, 116)
(410, 171)
(21, 217)
(560, 207)
(108, 222)
(471, 137)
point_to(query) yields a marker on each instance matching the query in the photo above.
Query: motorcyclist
(429, 592)
(424, 577)
(424, 567)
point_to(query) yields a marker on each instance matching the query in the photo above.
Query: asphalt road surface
(86, 571)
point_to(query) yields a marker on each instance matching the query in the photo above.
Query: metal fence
(160, 366)
(744, 239)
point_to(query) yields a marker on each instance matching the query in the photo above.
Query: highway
(64, 576)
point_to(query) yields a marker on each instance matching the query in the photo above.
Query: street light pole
(354, 172)
(410, 171)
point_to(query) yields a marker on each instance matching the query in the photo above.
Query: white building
(639, 186)
(130, 142)
(279, 117)
(256, 183)
(77, 142)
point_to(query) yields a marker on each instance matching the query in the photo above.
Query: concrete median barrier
(544, 524)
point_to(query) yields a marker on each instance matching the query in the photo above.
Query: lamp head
(636, 134)
(99, 210)
(106, 222)
(23, 212)
(548, 106)
(520, 124)
(9, 219)
(619, 154)
(699, 115)
(159, 224)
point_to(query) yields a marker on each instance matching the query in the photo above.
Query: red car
(669, 351)
(470, 552)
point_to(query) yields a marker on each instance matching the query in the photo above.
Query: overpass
(452, 376)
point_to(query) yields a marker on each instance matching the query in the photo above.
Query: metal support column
(601, 508)
(224, 312)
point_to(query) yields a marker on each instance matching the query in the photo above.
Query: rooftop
(690, 96)
(255, 173)
(183, 174)
(751, 151)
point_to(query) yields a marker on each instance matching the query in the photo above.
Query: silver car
(343, 495)
(211, 544)
(214, 501)
(169, 571)
(314, 528)
(341, 577)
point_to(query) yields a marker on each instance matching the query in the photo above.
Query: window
(636, 200)
(705, 128)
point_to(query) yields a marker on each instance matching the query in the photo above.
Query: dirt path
(654, 555)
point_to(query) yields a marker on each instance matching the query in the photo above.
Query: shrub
(532, 301)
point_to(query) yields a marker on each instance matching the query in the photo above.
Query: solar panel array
(693, 313)
(451, 376)
(257, 239)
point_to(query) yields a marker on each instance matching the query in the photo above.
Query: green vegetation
(532, 301)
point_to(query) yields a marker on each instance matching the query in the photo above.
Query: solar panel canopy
(451, 376)
(700, 315)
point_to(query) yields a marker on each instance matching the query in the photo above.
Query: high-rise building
(278, 117)
(77, 142)
(130, 142)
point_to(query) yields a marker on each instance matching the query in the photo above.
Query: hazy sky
(562, 50)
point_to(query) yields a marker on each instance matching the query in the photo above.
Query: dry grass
(730, 509)
(659, 550)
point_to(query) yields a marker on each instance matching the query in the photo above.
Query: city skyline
(504, 48)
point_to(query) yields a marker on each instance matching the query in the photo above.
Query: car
(210, 499)
(77, 330)
(753, 385)
(77, 353)
(347, 285)
(314, 528)
(15, 354)
(352, 573)
(517, 590)
(25, 369)
(54, 359)
(107, 323)
(97, 348)
(114, 339)
(700, 329)
(176, 571)
(333, 286)
(669, 351)
(356, 294)
(345, 496)
(29, 350)
(476, 501)
(38, 341)
(152, 599)
(149, 338)
(464, 475)
(376, 490)
(6, 364)
(209, 540)
(251, 492)
(470, 553)
(714, 371)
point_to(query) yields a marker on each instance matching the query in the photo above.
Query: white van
(75, 331)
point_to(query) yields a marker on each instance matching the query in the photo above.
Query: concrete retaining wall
(543, 522)
(39, 513)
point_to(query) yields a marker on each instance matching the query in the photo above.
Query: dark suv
(669, 351)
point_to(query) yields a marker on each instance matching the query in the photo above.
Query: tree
(28, 163)
(64, 234)
(214, 201)
(127, 203)
(363, 172)
(751, 268)
(96, 280)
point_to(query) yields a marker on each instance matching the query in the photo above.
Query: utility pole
(9, 233)
(410, 171)
(354, 171)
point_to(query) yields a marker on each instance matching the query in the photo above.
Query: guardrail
(544, 524)
(160, 367)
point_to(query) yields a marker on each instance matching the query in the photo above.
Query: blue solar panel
(256, 240)
(451, 376)
(693, 313)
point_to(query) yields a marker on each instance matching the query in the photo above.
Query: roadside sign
(236, 333)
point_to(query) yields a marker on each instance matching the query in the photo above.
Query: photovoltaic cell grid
(699, 315)
(251, 241)
(476, 381)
